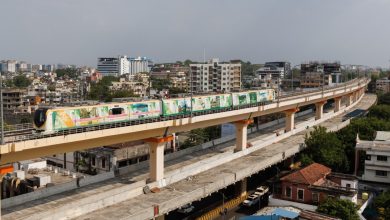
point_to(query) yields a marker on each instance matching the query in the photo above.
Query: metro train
(51, 120)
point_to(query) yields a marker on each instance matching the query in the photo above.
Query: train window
(117, 111)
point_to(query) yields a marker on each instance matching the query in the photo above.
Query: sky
(79, 31)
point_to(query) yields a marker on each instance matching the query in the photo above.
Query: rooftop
(381, 142)
(308, 175)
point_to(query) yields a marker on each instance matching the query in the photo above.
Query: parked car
(186, 209)
(251, 200)
(262, 190)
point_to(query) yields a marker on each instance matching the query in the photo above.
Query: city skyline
(78, 32)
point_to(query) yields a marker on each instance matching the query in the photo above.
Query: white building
(139, 64)
(8, 66)
(215, 76)
(117, 66)
(123, 65)
(377, 162)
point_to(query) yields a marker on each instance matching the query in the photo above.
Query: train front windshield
(40, 117)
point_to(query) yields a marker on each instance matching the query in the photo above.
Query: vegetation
(201, 135)
(382, 205)
(69, 72)
(325, 148)
(339, 208)
(20, 81)
(337, 150)
(160, 84)
(101, 91)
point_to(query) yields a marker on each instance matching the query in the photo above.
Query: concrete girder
(22, 150)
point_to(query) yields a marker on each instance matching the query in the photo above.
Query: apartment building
(271, 74)
(14, 99)
(8, 66)
(383, 85)
(331, 71)
(377, 161)
(215, 76)
(139, 65)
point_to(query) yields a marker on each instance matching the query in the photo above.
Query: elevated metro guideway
(27, 149)
(122, 197)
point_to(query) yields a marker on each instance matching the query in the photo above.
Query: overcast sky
(79, 31)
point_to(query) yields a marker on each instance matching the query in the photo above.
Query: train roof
(144, 101)
(99, 105)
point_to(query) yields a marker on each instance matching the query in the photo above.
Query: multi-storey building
(14, 99)
(117, 66)
(21, 66)
(332, 69)
(8, 66)
(177, 75)
(215, 76)
(315, 79)
(383, 85)
(139, 65)
(377, 161)
(123, 65)
(271, 74)
(108, 66)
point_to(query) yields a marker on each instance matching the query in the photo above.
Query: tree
(339, 208)
(101, 90)
(161, 84)
(382, 205)
(21, 81)
(195, 137)
(70, 72)
(325, 148)
(187, 62)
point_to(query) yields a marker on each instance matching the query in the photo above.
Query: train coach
(51, 120)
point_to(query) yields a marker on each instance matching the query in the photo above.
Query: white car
(251, 200)
(186, 209)
(262, 190)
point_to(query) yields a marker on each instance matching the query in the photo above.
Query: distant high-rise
(215, 76)
(139, 64)
(8, 66)
(117, 66)
(108, 66)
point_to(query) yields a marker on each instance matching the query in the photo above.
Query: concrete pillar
(290, 115)
(349, 99)
(241, 187)
(156, 160)
(337, 104)
(241, 134)
(320, 109)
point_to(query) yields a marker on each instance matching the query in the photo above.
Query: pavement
(184, 191)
